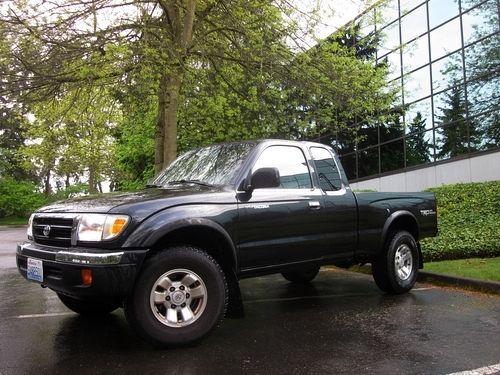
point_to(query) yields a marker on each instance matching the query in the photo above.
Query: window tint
(329, 176)
(291, 163)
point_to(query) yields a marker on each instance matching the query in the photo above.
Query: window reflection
(445, 39)
(389, 11)
(419, 148)
(441, 11)
(394, 60)
(392, 156)
(446, 71)
(418, 116)
(417, 85)
(390, 38)
(368, 162)
(483, 58)
(393, 127)
(483, 94)
(408, 5)
(480, 22)
(414, 24)
(416, 54)
(488, 126)
(349, 165)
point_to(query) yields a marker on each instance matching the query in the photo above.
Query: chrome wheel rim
(178, 298)
(403, 262)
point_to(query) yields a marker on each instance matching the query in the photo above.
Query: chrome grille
(53, 230)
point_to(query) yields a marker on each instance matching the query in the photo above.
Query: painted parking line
(488, 370)
(43, 315)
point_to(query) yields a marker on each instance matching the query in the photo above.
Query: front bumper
(113, 271)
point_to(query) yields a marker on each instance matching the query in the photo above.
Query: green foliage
(475, 268)
(468, 222)
(19, 198)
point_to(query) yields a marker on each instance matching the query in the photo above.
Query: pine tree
(418, 149)
(459, 134)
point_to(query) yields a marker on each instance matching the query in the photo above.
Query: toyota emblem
(46, 230)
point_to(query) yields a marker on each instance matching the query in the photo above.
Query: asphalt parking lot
(340, 323)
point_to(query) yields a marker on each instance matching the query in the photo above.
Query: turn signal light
(86, 276)
(118, 225)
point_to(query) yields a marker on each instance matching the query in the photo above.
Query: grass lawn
(474, 268)
(13, 221)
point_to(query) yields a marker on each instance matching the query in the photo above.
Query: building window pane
(368, 162)
(390, 38)
(416, 54)
(419, 148)
(468, 4)
(447, 71)
(451, 140)
(408, 5)
(445, 39)
(418, 116)
(389, 11)
(414, 24)
(441, 11)
(483, 94)
(488, 126)
(394, 61)
(480, 22)
(417, 85)
(483, 58)
(349, 165)
(392, 128)
(392, 156)
(368, 136)
(449, 106)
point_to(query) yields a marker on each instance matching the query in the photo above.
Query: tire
(89, 307)
(395, 271)
(180, 296)
(302, 276)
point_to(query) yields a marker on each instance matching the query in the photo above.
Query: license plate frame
(34, 270)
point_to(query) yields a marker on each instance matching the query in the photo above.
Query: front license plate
(35, 270)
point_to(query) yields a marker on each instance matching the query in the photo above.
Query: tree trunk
(92, 181)
(47, 188)
(171, 82)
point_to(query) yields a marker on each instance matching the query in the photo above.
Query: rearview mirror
(265, 178)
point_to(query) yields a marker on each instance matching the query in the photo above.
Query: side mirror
(265, 178)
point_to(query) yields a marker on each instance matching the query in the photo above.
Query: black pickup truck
(172, 254)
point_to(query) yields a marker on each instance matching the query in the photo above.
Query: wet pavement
(340, 323)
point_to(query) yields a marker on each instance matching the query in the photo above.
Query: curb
(492, 287)
(11, 226)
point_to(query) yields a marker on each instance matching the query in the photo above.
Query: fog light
(87, 276)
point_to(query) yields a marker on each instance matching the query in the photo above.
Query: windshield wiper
(197, 182)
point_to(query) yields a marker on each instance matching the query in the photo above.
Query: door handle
(314, 205)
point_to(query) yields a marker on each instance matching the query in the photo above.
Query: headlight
(98, 227)
(29, 232)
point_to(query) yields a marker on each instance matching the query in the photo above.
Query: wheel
(303, 275)
(395, 271)
(180, 296)
(89, 307)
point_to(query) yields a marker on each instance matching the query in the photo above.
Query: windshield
(213, 165)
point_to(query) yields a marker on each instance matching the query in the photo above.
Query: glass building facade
(443, 58)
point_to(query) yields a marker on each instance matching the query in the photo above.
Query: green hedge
(468, 221)
(19, 198)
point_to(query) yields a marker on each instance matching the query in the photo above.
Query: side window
(291, 163)
(329, 176)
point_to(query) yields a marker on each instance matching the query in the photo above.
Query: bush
(468, 222)
(19, 198)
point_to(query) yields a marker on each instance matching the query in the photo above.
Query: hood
(137, 204)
